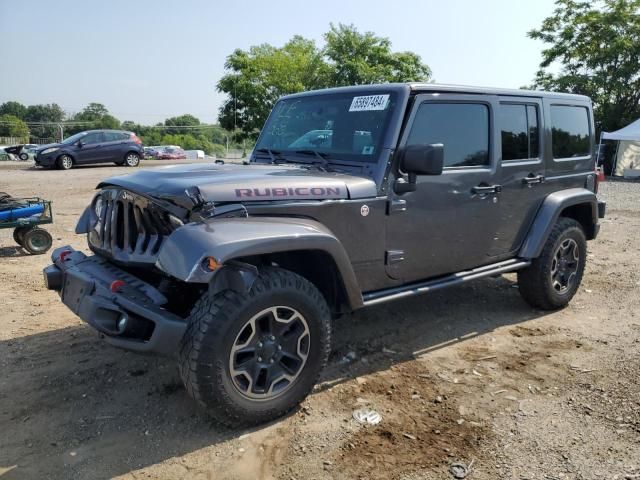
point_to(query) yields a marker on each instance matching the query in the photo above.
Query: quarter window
(463, 129)
(519, 131)
(569, 131)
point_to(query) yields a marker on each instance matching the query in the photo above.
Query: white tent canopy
(627, 158)
(630, 132)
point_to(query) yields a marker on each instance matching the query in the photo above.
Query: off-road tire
(535, 283)
(64, 162)
(215, 323)
(36, 241)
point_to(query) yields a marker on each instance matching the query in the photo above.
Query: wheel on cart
(37, 241)
(18, 234)
(24, 157)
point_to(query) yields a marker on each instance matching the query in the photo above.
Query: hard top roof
(415, 87)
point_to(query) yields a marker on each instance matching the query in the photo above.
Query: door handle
(532, 179)
(483, 190)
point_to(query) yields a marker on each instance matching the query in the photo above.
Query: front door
(90, 151)
(448, 223)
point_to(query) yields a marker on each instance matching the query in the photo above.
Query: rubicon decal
(287, 192)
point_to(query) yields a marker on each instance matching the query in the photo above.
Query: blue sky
(150, 59)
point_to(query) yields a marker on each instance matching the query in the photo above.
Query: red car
(172, 154)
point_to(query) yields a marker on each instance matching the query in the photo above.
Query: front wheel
(64, 162)
(251, 357)
(553, 278)
(36, 241)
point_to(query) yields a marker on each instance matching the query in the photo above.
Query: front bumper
(45, 160)
(86, 286)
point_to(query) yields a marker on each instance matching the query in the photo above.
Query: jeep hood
(243, 183)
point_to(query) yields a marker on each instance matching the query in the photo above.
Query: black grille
(130, 227)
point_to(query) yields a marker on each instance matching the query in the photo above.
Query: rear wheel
(64, 162)
(251, 357)
(18, 234)
(553, 278)
(36, 241)
(132, 159)
(24, 157)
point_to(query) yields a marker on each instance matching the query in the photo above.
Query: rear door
(448, 223)
(520, 123)
(114, 146)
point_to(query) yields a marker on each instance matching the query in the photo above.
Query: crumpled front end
(128, 311)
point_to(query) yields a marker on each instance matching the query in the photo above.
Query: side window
(569, 131)
(92, 138)
(114, 136)
(519, 131)
(123, 136)
(463, 129)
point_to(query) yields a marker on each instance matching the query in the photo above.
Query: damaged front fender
(184, 253)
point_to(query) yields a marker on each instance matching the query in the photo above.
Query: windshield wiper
(322, 157)
(275, 155)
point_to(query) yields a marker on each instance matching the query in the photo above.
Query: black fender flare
(548, 214)
(183, 253)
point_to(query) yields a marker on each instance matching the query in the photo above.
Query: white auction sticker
(369, 102)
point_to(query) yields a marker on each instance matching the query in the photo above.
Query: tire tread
(209, 318)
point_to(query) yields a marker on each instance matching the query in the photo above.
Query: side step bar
(395, 293)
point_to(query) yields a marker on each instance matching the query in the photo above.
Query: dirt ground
(471, 375)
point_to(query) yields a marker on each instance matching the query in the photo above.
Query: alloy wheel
(269, 353)
(132, 160)
(66, 162)
(564, 265)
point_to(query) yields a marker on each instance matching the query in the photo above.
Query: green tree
(185, 120)
(14, 108)
(44, 113)
(259, 76)
(256, 78)
(362, 58)
(597, 46)
(93, 116)
(12, 126)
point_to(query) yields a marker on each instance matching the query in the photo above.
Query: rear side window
(463, 129)
(111, 136)
(519, 131)
(569, 131)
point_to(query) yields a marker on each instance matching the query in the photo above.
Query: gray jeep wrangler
(352, 197)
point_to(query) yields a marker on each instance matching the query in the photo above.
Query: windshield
(348, 126)
(73, 138)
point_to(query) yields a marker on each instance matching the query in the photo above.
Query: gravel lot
(466, 375)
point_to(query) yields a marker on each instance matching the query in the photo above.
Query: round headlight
(97, 206)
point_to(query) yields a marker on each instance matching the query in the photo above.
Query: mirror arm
(403, 186)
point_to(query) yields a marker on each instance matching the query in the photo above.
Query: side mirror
(80, 144)
(423, 159)
(419, 160)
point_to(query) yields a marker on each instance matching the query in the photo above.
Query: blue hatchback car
(93, 146)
